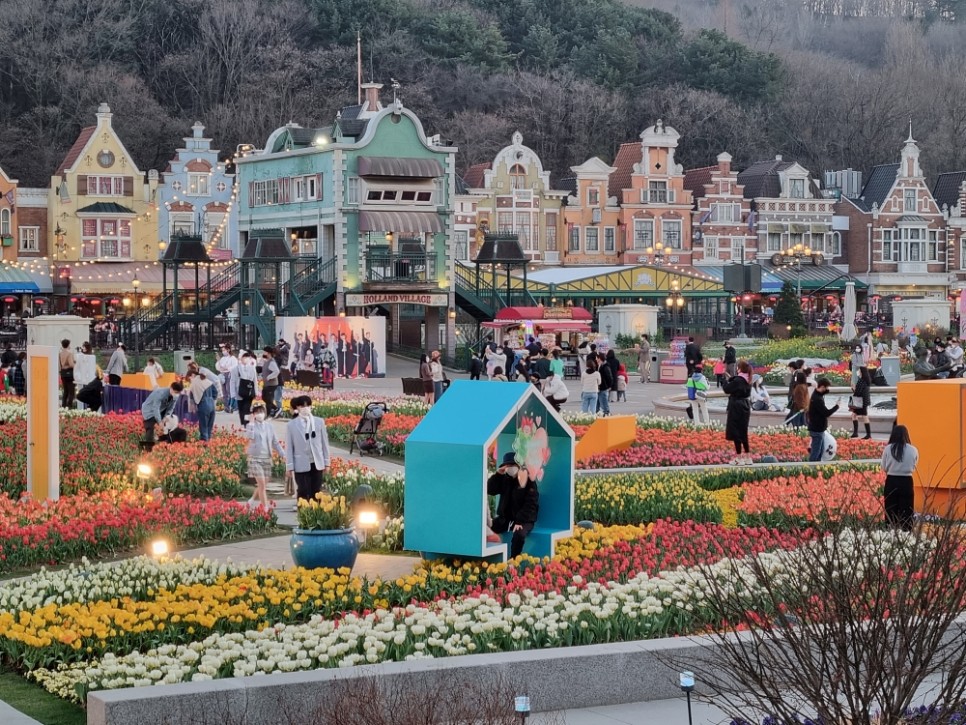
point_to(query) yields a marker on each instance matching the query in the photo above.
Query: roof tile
(946, 191)
(75, 151)
(627, 155)
(880, 183)
(695, 179)
(473, 178)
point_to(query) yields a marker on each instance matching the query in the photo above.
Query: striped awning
(400, 221)
(392, 166)
(774, 228)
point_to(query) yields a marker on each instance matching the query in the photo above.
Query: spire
(910, 139)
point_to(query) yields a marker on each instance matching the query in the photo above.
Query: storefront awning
(400, 221)
(776, 228)
(543, 314)
(407, 167)
(18, 281)
(553, 325)
(798, 228)
(819, 228)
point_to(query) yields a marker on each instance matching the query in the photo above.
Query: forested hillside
(576, 77)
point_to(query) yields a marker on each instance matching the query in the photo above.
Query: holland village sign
(367, 299)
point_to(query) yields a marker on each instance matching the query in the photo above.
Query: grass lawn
(34, 701)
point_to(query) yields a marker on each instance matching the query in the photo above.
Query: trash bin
(657, 357)
(181, 360)
(890, 368)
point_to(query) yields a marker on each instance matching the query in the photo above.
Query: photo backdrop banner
(351, 347)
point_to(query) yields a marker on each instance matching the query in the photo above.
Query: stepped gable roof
(879, 184)
(760, 180)
(946, 190)
(75, 151)
(474, 175)
(695, 179)
(627, 155)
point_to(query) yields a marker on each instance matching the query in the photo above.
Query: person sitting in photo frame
(519, 502)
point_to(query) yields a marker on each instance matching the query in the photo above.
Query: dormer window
(796, 188)
(657, 192)
(593, 196)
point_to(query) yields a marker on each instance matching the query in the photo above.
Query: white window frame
(738, 249)
(399, 194)
(836, 241)
(199, 183)
(932, 245)
(550, 232)
(517, 180)
(610, 240)
(725, 212)
(658, 193)
(5, 217)
(591, 240)
(352, 191)
(29, 239)
(102, 241)
(504, 222)
(265, 192)
(94, 185)
(643, 233)
(461, 245)
(910, 200)
(890, 247)
(573, 239)
(593, 196)
(298, 188)
(773, 241)
(711, 250)
(962, 253)
(213, 220)
(672, 237)
(796, 188)
(311, 188)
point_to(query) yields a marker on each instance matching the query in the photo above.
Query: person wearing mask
(227, 367)
(899, 461)
(262, 441)
(436, 368)
(644, 359)
(153, 371)
(117, 365)
(555, 391)
(247, 385)
(589, 387)
(760, 399)
(818, 416)
(954, 352)
(738, 389)
(697, 388)
(541, 366)
(85, 367)
(692, 356)
(269, 377)
(282, 350)
(65, 361)
(157, 406)
(519, 502)
(860, 401)
(798, 401)
(941, 360)
(426, 375)
(306, 449)
(308, 361)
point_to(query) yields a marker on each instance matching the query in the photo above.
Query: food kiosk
(551, 326)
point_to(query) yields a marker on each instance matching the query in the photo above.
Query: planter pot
(332, 549)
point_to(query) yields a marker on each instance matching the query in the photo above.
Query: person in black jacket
(519, 502)
(606, 383)
(738, 389)
(730, 360)
(476, 366)
(818, 416)
(861, 393)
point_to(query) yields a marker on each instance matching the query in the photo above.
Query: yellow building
(513, 195)
(102, 216)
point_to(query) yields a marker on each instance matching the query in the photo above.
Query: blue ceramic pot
(331, 549)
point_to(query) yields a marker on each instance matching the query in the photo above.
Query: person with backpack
(697, 387)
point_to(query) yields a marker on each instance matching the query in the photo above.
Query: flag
(64, 196)
(705, 217)
(11, 199)
(752, 220)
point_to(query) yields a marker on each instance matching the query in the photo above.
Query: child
(622, 383)
(719, 372)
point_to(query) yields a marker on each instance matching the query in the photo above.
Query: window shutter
(82, 185)
(251, 194)
(128, 186)
(318, 186)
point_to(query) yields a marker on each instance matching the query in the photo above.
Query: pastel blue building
(197, 198)
(355, 218)
(448, 459)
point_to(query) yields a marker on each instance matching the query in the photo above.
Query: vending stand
(549, 325)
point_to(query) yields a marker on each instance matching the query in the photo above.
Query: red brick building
(722, 232)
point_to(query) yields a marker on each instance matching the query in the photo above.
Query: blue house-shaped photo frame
(447, 458)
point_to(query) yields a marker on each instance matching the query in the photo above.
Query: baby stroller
(364, 435)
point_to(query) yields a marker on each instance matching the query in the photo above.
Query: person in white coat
(306, 449)
(227, 367)
(262, 442)
(85, 368)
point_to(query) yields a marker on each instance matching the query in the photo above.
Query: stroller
(364, 435)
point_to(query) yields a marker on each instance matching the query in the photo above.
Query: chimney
(724, 163)
(778, 157)
(198, 130)
(103, 114)
(371, 104)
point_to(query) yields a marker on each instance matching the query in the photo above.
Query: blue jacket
(159, 403)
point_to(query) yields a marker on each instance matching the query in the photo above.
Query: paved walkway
(10, 716)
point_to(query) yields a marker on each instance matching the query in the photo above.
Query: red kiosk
(550, 325)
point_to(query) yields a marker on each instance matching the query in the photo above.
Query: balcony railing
(400, 267)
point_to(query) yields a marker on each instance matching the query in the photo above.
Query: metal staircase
(475, 294)
(310, 286)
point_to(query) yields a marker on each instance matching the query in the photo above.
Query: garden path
(10, 716)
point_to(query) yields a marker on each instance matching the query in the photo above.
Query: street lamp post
(799, 252)
(135, 283)
(657, 253)
(675, 300)
(60, 250)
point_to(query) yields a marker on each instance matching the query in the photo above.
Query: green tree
(788, 311)
(714, 62)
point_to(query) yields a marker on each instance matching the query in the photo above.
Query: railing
(400, 267)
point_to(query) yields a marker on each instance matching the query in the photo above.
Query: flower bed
(107, 523)
(793, 501)
(631, 590)
(637, 498)
(100, 452)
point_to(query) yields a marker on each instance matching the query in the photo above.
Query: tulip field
(650, 546)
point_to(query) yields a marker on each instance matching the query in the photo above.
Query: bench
(413, 386)
(539, 542)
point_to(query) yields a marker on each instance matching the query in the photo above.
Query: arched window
(518, 177)
(4, 222)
